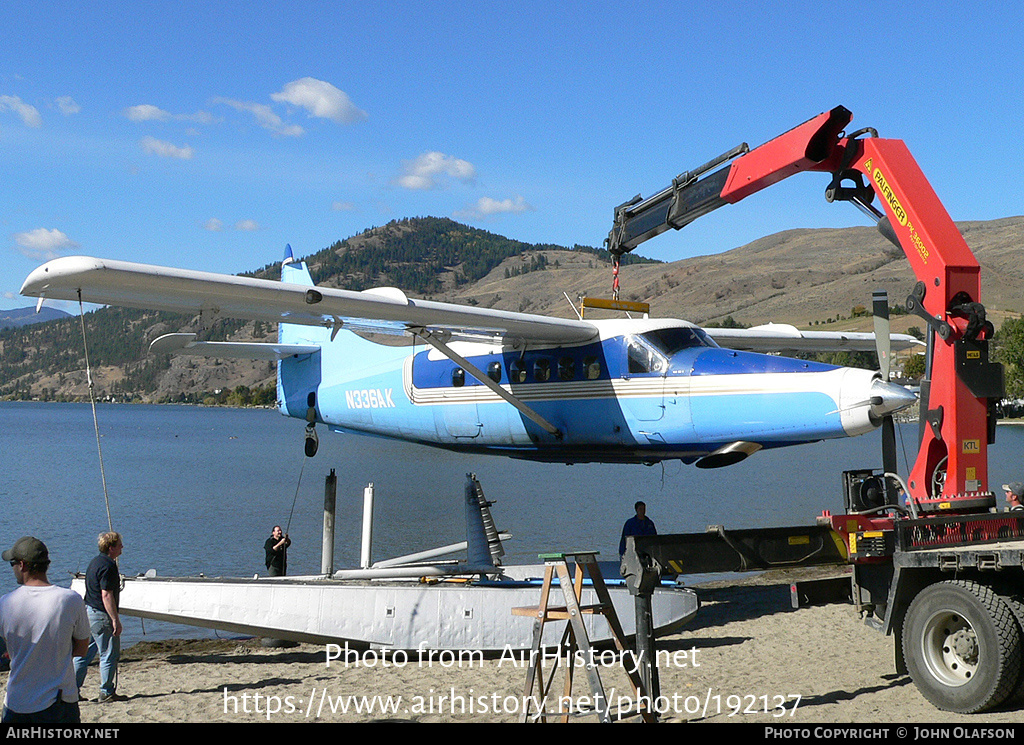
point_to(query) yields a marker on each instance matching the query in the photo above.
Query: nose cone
(887, 398)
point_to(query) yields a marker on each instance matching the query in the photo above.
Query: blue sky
(208, 135)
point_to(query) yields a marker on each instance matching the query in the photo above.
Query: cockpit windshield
(668, 341)
(652, 351)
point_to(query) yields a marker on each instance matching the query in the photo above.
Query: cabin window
(639, 358)
(494, 371)
(566, 368)
(541, 370)
(591, 368)
(458, 377)
(517, 372)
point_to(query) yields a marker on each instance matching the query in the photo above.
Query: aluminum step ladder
(575, 640)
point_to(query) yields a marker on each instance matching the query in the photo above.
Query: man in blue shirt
(640, 524)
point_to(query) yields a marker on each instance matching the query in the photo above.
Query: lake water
(197, 490)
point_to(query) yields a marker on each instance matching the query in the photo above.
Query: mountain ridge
(808, 277)
(17, 317)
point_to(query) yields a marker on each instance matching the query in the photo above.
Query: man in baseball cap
(1014, 496)
(43, 626)
(29, 549)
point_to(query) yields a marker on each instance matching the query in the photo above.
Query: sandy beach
(748, 657)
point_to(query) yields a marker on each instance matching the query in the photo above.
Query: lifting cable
(291, 512)
(95, 421)
(615, 276)
(99, 449)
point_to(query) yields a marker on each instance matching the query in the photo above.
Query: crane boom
(962, 386)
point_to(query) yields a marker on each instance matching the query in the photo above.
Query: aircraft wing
(781, 337)
(123, 283)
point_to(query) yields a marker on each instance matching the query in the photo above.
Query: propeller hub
(888, 398)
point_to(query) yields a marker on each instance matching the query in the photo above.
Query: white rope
(95, 421)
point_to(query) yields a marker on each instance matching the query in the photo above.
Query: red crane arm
(951, 471)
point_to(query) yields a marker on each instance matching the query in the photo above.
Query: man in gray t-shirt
(43, 626)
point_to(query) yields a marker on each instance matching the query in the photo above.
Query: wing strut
(435, 340)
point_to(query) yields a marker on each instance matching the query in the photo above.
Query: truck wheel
(962, 646)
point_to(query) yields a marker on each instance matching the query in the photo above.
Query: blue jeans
(106, 645)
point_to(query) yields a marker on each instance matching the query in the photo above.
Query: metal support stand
(645, 649)
(327, 547)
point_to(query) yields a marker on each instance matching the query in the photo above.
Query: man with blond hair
(102, 592)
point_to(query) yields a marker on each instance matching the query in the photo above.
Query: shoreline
(270, 407)
(86, 402)
(748, 657)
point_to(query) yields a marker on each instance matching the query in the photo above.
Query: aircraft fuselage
(644, 392)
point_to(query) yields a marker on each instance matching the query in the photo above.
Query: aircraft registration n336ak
(481, 380)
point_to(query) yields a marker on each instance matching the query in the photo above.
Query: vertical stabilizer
(292, 271)
(297, 273)
(298, 378)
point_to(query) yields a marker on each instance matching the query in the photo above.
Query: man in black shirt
(102, 593)
(276, 549)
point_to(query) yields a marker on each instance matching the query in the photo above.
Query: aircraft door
(678, 423)
(642, 385)
(460, 420)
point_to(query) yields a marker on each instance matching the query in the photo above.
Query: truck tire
(1013, 601)
(962, 646)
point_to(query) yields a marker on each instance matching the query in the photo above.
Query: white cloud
(147, 113)
(265, 117)
(215, 225)
(164, 149)
(67, 106)
(486, 206)
(342, 206)
(422, 172)
(42, 244)
(200, 117)
(29, 114)
(320, 99)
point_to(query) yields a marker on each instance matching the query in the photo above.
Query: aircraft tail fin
(296, 272)
(299, 377)
(293, 271)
